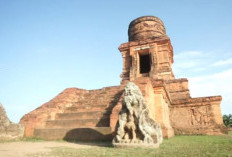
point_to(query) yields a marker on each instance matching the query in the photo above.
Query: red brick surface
(167, 98)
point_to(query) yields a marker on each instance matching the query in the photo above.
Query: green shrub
(227, 119)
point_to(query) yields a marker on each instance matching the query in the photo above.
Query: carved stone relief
(199, 115)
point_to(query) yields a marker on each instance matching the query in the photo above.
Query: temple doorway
(145, 63)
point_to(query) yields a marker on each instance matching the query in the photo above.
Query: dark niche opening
(145, 64)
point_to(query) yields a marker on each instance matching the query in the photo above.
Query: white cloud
(199, 69)
(188, 54)
(217, 76)
(203, 79)
(207, 75)
(189, 64)
(223, 62)
(214, 84)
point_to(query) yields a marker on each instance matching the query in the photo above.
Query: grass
(33, 139)
(178, 146)
(230, 133)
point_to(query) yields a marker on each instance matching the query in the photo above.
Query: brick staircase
(87, 119)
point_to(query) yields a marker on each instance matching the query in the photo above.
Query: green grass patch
(178, 146)
(230, 133)
(12, 140)
(32, 139)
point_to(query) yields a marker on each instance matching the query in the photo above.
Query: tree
(227, 119)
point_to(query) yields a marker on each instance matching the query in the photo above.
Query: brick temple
(91, 115)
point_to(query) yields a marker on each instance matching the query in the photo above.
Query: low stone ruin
(135, 127)
(9, 130)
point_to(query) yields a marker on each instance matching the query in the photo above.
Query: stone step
(86, 108)
(102, 96)
(91, 103)
(96, 122)
(97, 100)
(75, 134)
(82, 115)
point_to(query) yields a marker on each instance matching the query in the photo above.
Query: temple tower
(147, 61)
(149, 51)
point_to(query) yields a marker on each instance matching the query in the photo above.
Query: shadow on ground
(88, 136)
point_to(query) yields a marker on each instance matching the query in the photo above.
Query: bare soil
(26, 149)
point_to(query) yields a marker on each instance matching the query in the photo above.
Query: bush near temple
(227, 120)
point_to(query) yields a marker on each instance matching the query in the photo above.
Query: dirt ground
(26, 149)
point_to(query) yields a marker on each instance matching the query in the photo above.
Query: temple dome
(146, 27)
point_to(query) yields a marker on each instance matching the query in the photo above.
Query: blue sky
(49, 45)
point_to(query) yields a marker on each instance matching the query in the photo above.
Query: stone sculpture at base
(135, 127)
